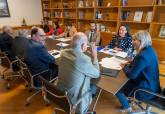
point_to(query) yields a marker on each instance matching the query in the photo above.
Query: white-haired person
(143, 71)
(6, 39)
(76, 70)
(19, 43)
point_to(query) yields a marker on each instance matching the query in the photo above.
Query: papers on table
(112, 63)
(55, 53)
(121, 54)
(64, 39)
(114, 52)
(62, 44)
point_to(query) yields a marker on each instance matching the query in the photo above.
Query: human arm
(136, 67)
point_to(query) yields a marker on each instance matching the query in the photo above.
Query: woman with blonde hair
(143, 71)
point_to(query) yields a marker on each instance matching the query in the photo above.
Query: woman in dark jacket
(143, 71)
(122, 41)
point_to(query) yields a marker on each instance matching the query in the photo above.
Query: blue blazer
(144, 73)
(37, 57)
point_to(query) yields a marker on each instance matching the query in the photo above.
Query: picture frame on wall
(4, 10)
(162, 32)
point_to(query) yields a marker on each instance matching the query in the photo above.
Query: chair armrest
(149, 92)
(40, 73)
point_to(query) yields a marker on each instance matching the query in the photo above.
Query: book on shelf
(125, 15)
(46, 14)
(108, 4)
(138, 16)
(81, 14)
(162, 32)
(98, 26)
(45, 6)
(100, 2)
(81, 4)
(65, 5)
(149, 16)
(124, 2)
(102, 28)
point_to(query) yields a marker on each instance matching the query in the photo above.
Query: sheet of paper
(62, 44)
(55, 53)
(112, 63)
(114, 52)
(121, 54)
(63, 39)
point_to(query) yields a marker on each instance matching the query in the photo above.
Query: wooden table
(107, 83)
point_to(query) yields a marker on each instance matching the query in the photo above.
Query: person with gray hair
(19, 43)
(143, 71)
(76, 70)
(6, 40)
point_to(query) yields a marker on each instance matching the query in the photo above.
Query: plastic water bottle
(61, 46)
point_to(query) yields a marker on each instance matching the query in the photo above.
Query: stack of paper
(55, 53)
(112, 63)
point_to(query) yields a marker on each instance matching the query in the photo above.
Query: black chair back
(58, 97)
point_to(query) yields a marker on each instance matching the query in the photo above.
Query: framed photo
(162, 31)
(4, 10)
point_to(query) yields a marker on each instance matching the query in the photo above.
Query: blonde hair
(144, 38)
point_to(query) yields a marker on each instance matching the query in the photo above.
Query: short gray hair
(22, 33)
(144, 37)
(78, 39)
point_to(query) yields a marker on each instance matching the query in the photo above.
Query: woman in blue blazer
(143, 71)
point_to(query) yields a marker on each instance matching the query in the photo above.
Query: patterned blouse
(124, 43)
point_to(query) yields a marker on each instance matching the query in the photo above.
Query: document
(55, 53)
(113, 52)
(64, 39)
(112, 63)
(62, 44)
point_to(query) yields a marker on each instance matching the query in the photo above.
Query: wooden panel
(159, 46)
(160, 15)
(140, 2)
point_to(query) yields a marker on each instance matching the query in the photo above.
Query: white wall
(31, 10)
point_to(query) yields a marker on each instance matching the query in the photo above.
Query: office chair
(60, 98)
(158, 102)
(7, 70)
(30, 79)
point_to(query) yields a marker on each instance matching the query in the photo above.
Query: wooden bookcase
(82, 12)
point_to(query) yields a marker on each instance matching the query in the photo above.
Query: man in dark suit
(19, 43)
(37, 57)
(6, 40)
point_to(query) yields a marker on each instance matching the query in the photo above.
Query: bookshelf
(109, 15)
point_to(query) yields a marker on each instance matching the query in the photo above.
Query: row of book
(138, 15)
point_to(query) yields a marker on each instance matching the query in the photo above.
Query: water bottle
(61, 46)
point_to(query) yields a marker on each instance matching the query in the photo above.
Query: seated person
(122, 41)
(19, 43)
(93, 35)
(45, 26)
(143, 71)
(55, 30)
(69, 31)
(37, 57)
(74, 74)
(6, 39)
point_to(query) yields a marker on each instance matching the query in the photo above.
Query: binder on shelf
(138, 16)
